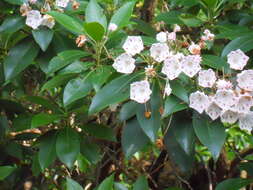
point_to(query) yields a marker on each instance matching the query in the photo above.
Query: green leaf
(233, 184)
(95, 30)
(76, 67)
(94, 13)
(173, 105)
(191, 21)
(90, 151)
(73, 185)
(43, 37)
(67, 146)
(5, 171)
(76, 89)
(43, 119)
(171, 17)
(179, 91)
(16, 2)
(19, 57)
(141, 183)
(12, 24)
(180, 142)
(57, 81)
(114, 92)
(119, 186)
(64, 58)
(3, 126)
(151, 125)
(22, 122)
(128, 110)
(133, 131)
(211, 134)
(100, 131)
(216, 62)
(68, 22)
(121, 16)
(244, 43)
(47, 152)
(107, 183)
(144, 27)
(35, 165)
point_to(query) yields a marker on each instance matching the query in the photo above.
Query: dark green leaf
(68, 22)
(133, 131)
(128, 110)
(211, 134)
(179, 91)
(90, 151)
(216, 62)
(95, 30)
(73, 185)
(141, 183)
(244, 43)
(76, 67)
(43, 37)
(114, 92)
(43, 119)
(100, 131)
(22, 122)
(121, 16)
(47, 152)
(173, 105)
(171, 17)
(12, 24)
(107, 183)
(3, 126)
(16, 2)
(67, 146)
(5, 171)
(119, 186)
(191, 21)
(19, 57)
(144, 27)
(233, 184)
(94, 13)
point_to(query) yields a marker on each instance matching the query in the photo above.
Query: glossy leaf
(128, 110)
(151, 125)
(43, 37)
(12, 24)
(47, 152)
(5, 171)
(141, 183)
(100, 131)
(216, 62)
(15, 2)
(19, 57)
(119, 186)
(114, 92)
(94, 13)
(95, 30)
(67, 146)
(22, 122)
(90, 151)
(171, 17)
(68, 22)
(211, 134)
(179, 91)
(107, 183)
(173, 105)
(43, 119)
(133, 131)
(122, 15)
(73, 185)
(233, 184)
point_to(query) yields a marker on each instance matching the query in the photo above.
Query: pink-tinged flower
(222, 84)
(172, 67)
(194, 49)
(112, 27)
(244, 103)
(206, 78)
(171, 36)
(167, 89)
(124, 64)
(48, 21)
(33, 19)
(199, 101)
(62, 3)
(225, 99)
(161, 37)
(140, 91)
(245, 80)
(191, 65)
(133, 45)
(159, 51)
(213, 111)
(177, 28)
(246, 121)
(229, 116)
(237, 59)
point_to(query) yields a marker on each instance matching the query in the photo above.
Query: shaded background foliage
(58, 127)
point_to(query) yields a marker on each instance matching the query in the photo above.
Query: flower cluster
(35, 13)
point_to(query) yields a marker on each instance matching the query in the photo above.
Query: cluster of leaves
(66, 112)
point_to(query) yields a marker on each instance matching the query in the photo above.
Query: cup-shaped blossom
(206, 78)
(194, 49)
(199, 101)
(140, 91)
(246, 121)
(112, 27)
(237, 59)
(223, 84)
(159, 51)
(167, 89)
(172, 67)
(191, 65)
(225, 99)
(244, 103)
(62, 3)
(245, 80)
(213, 111)
(48, 21)
(33, 19)
(133, 45)
(229, 116)
(161, 37)
(124, 63)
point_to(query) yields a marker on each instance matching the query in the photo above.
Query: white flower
(199, 101)
(244, 103)
(124, 63)
(112, 27)
(194, 49)
(246, 121)
(223, 84)
(245, 80)
(171, 36)
(62, 3)
(33, 19)
(161, 37)
(167, 89)
(207, 35)
(172, 67)
(177, 28)
(225, 99)
(237, 59)
(229, 116)
(213, 111)
(159, 51)
(24, 9)
(48, 21)
(140, 91)
(133, 45)
(191, 65)
(206, 78)
(32, 1)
